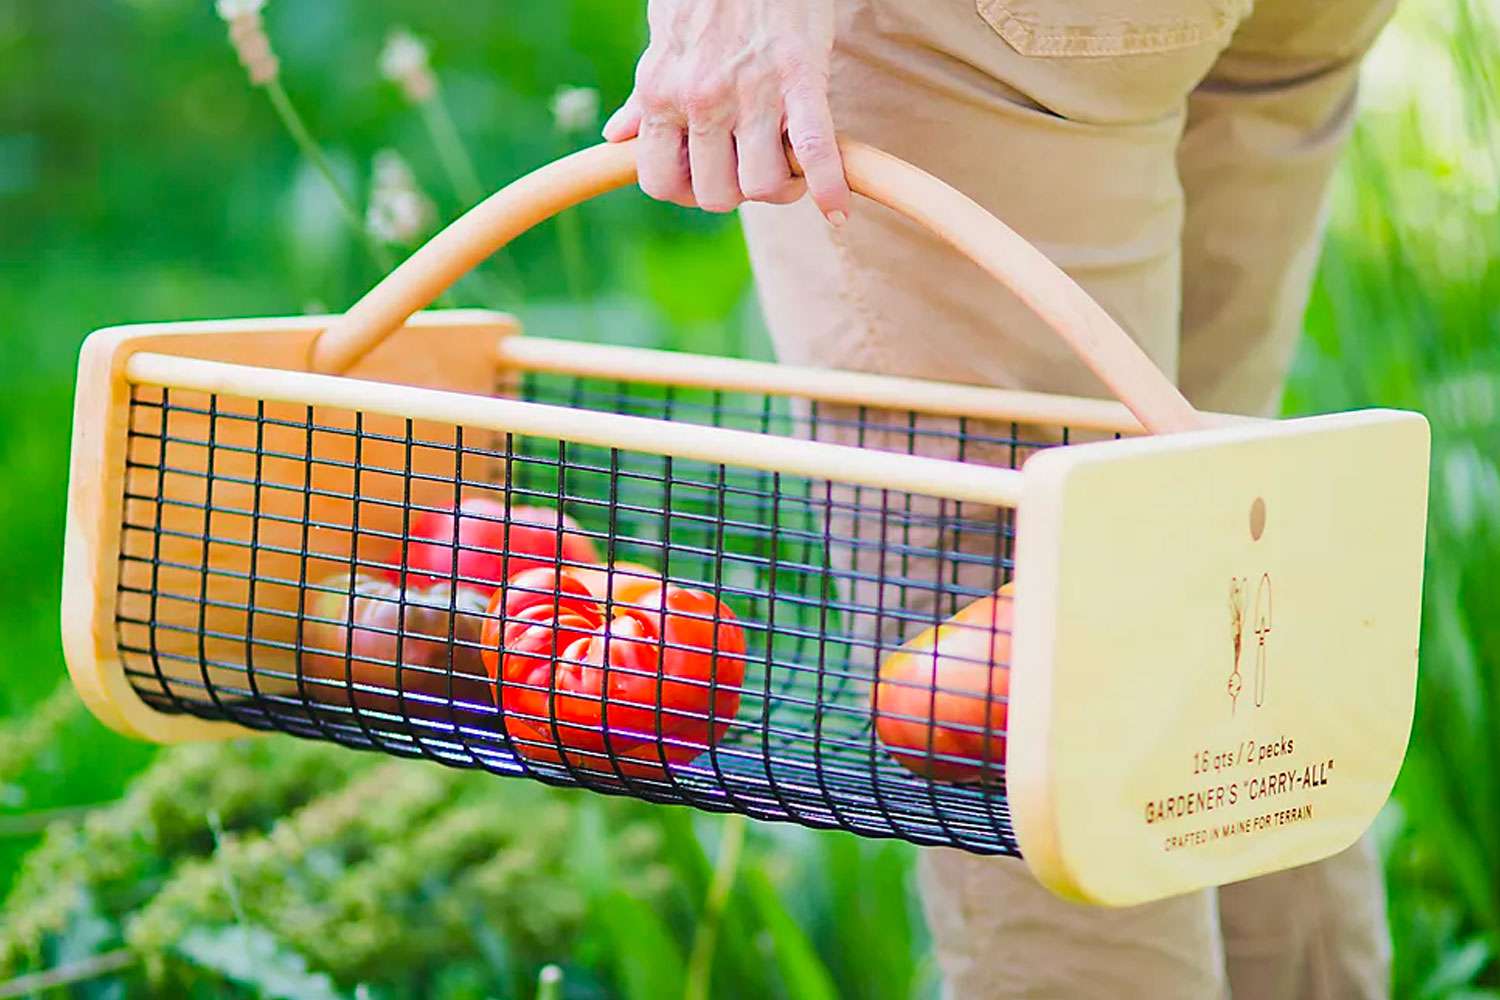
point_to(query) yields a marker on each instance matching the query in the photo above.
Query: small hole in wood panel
(1257, 518)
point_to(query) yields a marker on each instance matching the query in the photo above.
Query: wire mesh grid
(277, 570)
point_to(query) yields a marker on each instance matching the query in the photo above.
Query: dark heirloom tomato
(659, 680)
(489, 547)
(438, 675)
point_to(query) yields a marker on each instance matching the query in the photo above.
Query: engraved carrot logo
(1237, 637)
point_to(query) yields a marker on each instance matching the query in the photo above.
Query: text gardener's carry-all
(1144, 648)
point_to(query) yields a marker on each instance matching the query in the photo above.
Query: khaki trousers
(1173, 156)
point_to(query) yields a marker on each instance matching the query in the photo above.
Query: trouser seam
(853, 295)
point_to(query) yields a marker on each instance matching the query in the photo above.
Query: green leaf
(648, 964)
(805, 975)
(253, 957)
(1458, 968)
(696, 278)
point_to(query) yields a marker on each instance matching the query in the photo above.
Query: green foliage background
(141, 178)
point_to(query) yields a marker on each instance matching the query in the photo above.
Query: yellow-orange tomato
(941, 704)
(624, 582)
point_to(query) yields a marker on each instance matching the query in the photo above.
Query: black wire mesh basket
(821, 597)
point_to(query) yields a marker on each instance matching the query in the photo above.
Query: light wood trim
(957, 219)
(91, 554)
(464, 243)
(454, 348)
(768, 453)
(244, 338)
(1128, 660)
(1094, 336)
(656, 367)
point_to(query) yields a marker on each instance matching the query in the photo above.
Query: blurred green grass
(141, 179)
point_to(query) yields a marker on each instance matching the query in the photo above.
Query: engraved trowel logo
(1262, 633)
(1237, 636)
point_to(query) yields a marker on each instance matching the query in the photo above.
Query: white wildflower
(399, 212)
(233, 10)
(575, 109)
(247, 32)
(405, 62)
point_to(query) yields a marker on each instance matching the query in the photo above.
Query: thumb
(625, 122)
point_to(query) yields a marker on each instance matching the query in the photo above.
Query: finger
(809, 125)
(764, 172)
(662, 162)
(625, 122)
(711, 166)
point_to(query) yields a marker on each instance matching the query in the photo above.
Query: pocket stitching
(1031, 37)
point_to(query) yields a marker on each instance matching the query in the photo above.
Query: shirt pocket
(1084, 28)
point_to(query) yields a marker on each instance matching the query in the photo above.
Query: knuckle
(705, 100)
(762, 188)
(698, 106)
(660, 125)
(716, 197)
(653, 100)
(792, 61)
(654, 89)
(661, 186)
(758, 84)
(701, 124)
(814, 148)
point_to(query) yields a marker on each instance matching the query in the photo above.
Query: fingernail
(837, 218)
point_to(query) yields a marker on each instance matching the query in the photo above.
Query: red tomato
(941, 706)
(489, 548)
(576, 687)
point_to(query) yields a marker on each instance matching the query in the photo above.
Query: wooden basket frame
(466, 350)
(1356, 474)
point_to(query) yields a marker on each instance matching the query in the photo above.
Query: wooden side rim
(788, 456)
(950, 399)
(1214, 668)
(458, 351)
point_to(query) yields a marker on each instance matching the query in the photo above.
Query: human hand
(720, 84)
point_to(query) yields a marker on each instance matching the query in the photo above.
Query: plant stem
(225, 875)
(701, 960)
(549, 983)
(451, 151)
(570, 244)
(310, 148)
(464, 178)
(24, 736)
(74, 972)
(32, 823)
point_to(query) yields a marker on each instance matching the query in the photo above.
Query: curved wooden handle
(954, 217)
